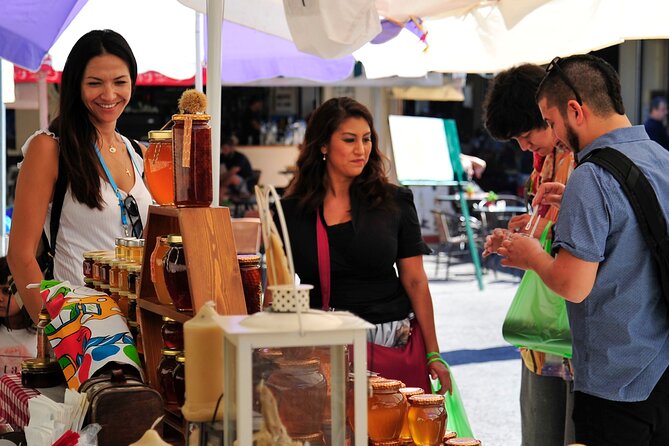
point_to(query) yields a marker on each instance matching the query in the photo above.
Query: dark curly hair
(510, 108)
(310, 183)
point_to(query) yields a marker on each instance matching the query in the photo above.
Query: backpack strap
(644, 201)
(56, 209)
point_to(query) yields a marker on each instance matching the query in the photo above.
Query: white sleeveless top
(84, 229)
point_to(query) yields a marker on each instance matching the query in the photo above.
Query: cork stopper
(426, 400)
(192, 101)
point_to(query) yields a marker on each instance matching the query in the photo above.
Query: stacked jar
(172, 335)
(386, 409)
(176, 274)
(427, 419)
(405, 434)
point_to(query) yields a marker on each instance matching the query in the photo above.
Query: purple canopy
(25, 37)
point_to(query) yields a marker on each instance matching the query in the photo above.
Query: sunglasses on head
(554, 67)
(134, 218)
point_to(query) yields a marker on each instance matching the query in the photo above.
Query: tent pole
(3, 170)
(198, 51)
(214, 27)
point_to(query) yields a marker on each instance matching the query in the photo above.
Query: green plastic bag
(537, 318)
(456, 416)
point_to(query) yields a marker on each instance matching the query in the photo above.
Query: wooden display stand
(213, 272)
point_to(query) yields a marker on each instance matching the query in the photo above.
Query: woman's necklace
(123, 165)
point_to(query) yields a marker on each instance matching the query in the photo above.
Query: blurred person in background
(654, 125)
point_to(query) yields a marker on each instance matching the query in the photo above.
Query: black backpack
(644, 201)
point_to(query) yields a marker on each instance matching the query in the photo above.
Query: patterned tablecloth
(14, 400)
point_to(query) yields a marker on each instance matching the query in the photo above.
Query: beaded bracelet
(431, 354)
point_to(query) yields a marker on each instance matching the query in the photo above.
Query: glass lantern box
(286, 378)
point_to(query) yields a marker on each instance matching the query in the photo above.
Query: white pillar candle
(203, 348)
(150, 438)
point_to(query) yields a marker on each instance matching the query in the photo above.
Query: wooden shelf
(213, 273)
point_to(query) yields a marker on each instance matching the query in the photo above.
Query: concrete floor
(485, 367)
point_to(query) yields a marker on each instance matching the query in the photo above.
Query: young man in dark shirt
(655, 123)
(235, 168)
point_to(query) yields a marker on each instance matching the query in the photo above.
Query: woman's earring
(324, 157)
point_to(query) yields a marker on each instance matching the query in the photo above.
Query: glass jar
(134, 277)
(158, 170)
(179, 379)
(123, 302)
(135, 250)
(463, 442)
(105, 267)
(192, 160)
(123, 277)
(119, 249)
(104, 287)
(95, 271)
(299, 388)
(427, 419)
(166, 367)
(157, 270)
(88, 283)
(264, 363)
(132, 308)
(172, 333)
(113, 293)
(249, 268)
(87, 265)
(386, 409)
(176, 275)
(113, 273)
(405, 434)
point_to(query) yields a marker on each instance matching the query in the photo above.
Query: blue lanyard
(124, 220)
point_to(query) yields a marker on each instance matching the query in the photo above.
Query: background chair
(453, 240)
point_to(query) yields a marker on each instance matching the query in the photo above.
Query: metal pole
(214, 27)
(3, 169)
(198, 52)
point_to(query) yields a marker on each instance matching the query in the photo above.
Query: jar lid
(132, 296)
(113, 290)
(168, 352)
(310, 362)
(449, 434)
(386, 384)
(168, 319)
(160, 134)
(174, 238)
(386, 443)
(181, 358)
(116, 262)
(247, 259)
(133, 324)
(193, 116)
(123, 293)
(36, 363)
(118, 241)
(311, 438)
(43, 316)
(104, 286)
(269, 353)
(411, 391)
(463, 442)
(125, 240)
(134, 267)
(136, 242)
(88, 280)
(426, 400)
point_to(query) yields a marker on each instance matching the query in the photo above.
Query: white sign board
(420, 149)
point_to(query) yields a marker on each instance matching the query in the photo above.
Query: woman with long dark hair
(373, 234)
(105, 196)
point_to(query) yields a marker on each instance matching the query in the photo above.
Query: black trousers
(611, 423)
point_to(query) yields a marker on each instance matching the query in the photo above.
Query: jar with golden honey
(135, 250)
(158, 167)
(386, 409)
(191, 151)
(172, 333)
(405, 434)
(299, 389)
(123, 277)
(119, 250)
(176, 274)
(249, 268)
(463, 442)
(157, 270)
(166, 367)
(113, 273)
(427, 419)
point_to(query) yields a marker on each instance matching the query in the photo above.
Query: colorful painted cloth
(87, 331)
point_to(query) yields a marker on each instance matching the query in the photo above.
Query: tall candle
(150, 438)
(203, 344)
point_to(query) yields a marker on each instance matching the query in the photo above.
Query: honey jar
(179, 379)
(405, 434)
(191, 151)
(166, 367)
(176, 274)
(158, 171)
(386, 409)
(299, 388)
(172, 333)
(135, 250)
(157, 270)
(427, 419)
(249, 268)
(134, 277)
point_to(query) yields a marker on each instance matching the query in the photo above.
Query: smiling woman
(81, 162)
